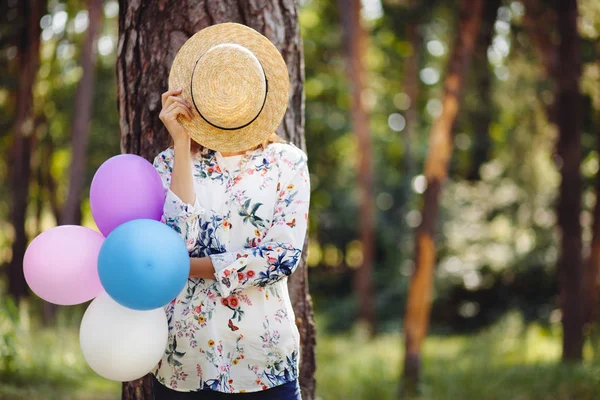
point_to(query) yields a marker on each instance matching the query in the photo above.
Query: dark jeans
(287, 391)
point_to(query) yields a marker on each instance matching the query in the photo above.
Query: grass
(507, 362)
(46, 364)
(50, 366)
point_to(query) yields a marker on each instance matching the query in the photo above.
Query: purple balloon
(125, 187)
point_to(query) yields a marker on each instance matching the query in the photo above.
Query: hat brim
(276, 73)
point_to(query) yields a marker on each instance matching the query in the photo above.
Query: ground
(506, 362)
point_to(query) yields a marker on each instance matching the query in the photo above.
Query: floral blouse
(236, 333)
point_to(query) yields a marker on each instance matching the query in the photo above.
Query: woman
(242, 209)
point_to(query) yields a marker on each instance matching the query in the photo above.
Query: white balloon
(119, 343)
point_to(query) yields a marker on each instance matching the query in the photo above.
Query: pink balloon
(61, 265)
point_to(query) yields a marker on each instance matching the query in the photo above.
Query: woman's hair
(274, 138)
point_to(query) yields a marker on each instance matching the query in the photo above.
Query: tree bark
(411, 87)
(144, 56)
(49, 181)
(355, 41)
(80, 127)
(540, 22)
(482, 116)
(568, 106)
(28, 61)
(436, 170)
(592, 268)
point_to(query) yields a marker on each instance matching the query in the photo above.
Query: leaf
(255, 207)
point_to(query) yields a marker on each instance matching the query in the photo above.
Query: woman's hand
(172, 106)
(182, 183)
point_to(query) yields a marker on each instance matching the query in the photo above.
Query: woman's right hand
(172, 106)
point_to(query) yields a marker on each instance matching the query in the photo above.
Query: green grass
(506, 362)
(46, 364)
(49, 365)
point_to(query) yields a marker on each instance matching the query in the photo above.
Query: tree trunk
(355, 41)
(80, 128)
(436, 170)
(145, 53)
(568, 106)
(482, 116)
(411, 87)
(49, 181)
(540, 22)
(592, 269)
(28, 61)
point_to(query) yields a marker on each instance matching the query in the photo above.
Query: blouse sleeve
(177, 214)
(278, 254)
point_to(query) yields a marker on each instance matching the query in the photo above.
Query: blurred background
(453, 149)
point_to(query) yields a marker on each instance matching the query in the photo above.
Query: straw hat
(237, 83)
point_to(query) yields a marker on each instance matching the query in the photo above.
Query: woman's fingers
(173, 105)
(168, 93)
(188, 112)
(174, 99)
(177, 108)
(171, 99)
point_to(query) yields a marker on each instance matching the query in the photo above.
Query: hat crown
(228, 86)
(239, 85)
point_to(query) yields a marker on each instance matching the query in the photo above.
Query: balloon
(125, 187)
(121, 344)
(143, 264)
(60, 265)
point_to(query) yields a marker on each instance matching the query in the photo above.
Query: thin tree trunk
(411, 87)
(568, 106)
(80, 127)
(592, 269)
(146, 46)
(49, 181)
(540, 22)
(38, 173)
(355, 38)
(24, 130)
(482, 116)
(39, 201)
(436, 170)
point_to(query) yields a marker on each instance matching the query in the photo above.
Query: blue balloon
(143, 264)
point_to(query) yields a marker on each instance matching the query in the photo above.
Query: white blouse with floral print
(237, 333)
